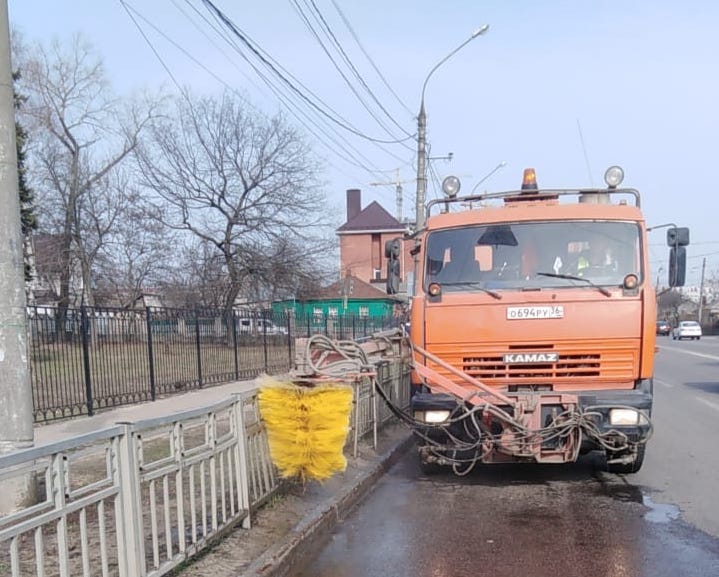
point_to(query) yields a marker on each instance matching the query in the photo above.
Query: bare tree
(244, 183)
(136, 252)
(283, 267)
(197, 277)
(80, 134)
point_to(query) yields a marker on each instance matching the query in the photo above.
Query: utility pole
(16, 422)
(701, 291)
(398, 190)
(421, 166)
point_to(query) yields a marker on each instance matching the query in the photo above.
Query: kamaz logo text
(531, 357)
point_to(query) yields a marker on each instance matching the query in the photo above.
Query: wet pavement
(511, 520)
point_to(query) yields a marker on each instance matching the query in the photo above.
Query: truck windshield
(510, 256)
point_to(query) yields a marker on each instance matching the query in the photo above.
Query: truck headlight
(433, 417)
(626, 417)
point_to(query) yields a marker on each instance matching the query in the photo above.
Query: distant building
(45, 267)
(349, 300)
(362, 243)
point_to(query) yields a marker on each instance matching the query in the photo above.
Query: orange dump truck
(533, 326)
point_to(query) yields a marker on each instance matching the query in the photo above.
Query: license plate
(548, 312)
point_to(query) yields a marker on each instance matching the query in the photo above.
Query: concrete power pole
(421, 165)
(701, 291)
(16, 421)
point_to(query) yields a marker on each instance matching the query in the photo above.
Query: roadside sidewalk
(57, 431)
(294, 525)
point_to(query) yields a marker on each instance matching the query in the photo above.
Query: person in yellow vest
(598, 260)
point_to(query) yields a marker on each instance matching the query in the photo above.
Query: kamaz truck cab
(533, 326)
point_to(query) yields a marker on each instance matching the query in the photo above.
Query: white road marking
(702, 355)
(663, 383)
(711, 404)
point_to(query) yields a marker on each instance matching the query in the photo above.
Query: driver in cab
(598, 259)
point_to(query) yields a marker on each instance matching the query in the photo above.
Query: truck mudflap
(458, 426)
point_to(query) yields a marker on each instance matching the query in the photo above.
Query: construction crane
(398, 188)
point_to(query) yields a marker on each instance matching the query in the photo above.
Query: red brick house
(362, 241)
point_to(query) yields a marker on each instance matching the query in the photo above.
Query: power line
(295, 109)
(369, 58)
(352, 67)
(274, 67)
(347, 81)
(337, 143)
(211, 41)
(703, 255)
(437, 185)
(157, 55)
(691, 244)
(277, 89)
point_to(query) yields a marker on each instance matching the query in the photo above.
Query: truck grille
(567, 366)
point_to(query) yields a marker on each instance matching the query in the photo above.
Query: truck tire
(628, 468)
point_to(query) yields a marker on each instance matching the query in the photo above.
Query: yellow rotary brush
(306, 427)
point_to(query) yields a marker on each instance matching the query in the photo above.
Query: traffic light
(392, 248)
(392, 251)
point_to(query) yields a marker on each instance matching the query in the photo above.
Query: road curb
(308, 536)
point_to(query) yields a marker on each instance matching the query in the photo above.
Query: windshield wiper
(476, 285)
(601, 289)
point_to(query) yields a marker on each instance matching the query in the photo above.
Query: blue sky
(638, 79)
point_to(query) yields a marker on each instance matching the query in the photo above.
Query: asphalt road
(682, 463)
(572, 520)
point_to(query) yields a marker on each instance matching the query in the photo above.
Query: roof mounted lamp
(451, 186)
(614, 176)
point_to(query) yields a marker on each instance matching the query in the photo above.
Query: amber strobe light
(434, 289)
(529, 180)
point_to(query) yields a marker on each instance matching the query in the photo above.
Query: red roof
(373, 217)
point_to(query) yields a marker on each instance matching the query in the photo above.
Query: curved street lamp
(490, 173)
(422, 132)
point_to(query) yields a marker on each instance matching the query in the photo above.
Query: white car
(687, 330)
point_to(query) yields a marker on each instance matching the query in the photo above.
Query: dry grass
(120, 372)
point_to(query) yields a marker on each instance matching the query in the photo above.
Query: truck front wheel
(628, 468)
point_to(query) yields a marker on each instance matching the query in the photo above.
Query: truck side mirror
(678, 236)
(677, 266)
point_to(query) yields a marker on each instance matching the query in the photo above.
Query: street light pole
(490, 173)
(422, 133)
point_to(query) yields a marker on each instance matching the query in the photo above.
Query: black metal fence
(95, 358)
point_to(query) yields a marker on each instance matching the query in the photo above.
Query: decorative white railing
(137, 499)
